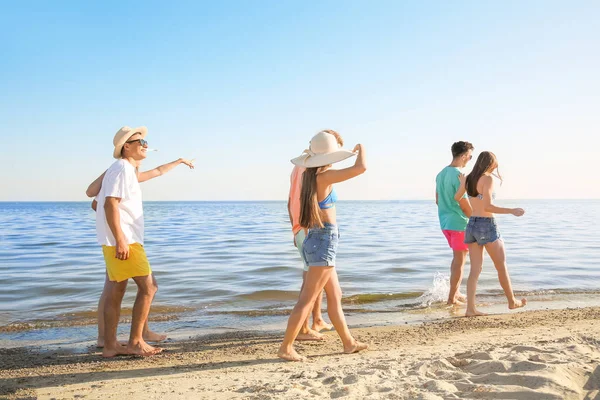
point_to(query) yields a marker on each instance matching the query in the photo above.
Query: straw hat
(123, 135)
(324, 150)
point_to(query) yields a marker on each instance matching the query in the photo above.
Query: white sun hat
(123, 135)
(323, 150)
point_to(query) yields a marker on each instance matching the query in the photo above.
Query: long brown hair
(310, 216)
(486, 164)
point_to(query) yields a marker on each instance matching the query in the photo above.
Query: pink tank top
(294, 197)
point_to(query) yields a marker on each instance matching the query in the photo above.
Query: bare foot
(356, 347)
(321, 325)
(310, 335)
(154, 337)
(142, 349)
(518, 304)
(459, 300)
(456, 302)
(474, 313)
(291, 356)
(119, 350)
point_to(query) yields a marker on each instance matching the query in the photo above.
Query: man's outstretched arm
(163, 169)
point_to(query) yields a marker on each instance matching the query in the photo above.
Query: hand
(189, 163)
(462, 178)
(122, 252)
(357, 148)
(517, 212)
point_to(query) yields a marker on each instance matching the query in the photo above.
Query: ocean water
(232, 265)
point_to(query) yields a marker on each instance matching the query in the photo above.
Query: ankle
(135, 341)
(285, 349)
(111, 344)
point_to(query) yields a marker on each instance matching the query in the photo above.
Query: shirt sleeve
(456, 185)
(116, 183)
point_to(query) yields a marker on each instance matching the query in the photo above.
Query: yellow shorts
(120, 270)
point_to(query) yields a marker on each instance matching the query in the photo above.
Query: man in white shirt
(120, 231)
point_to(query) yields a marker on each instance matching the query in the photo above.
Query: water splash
(438, 292)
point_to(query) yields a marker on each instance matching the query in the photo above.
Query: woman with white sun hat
(318, 215)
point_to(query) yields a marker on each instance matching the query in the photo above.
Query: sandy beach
(529, 355)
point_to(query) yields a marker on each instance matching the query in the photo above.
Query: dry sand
(529, 355)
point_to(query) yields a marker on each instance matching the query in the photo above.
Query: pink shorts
(456, 240)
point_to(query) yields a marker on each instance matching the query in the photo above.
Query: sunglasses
(142, 142)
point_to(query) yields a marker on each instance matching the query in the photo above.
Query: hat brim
(119, 146)
(320, 160)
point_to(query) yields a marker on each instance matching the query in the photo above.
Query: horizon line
(274, 200)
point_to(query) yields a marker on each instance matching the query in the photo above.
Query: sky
(242, 86)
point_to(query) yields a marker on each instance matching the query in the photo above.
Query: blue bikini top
(329, 201)
(480, 196)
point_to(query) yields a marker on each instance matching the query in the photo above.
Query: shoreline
(551, 354)
(67, 331)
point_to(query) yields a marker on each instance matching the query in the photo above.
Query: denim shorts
(320, 246)
(482, 230)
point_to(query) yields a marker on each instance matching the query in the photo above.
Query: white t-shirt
(121, 181)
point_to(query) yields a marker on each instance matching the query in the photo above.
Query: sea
(232, 266)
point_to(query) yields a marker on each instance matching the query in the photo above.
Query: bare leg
(456, 274)
(141, 308)
(313, 285)
(149, 335)
(476, 256)
(319, 323)
(306, 333)
(334, 309)
(112, 311)
(100, 342)
(498, 256)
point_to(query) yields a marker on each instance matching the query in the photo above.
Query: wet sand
(528, 355)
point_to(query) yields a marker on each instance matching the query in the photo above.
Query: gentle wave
(392, 303)
(237, 258)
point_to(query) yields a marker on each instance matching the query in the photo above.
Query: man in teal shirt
(454, 215)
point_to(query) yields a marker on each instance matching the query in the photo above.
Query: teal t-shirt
(451, 216)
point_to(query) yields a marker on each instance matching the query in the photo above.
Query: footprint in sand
(440, 386)
(330, 380)
(339, 393)
(366, 372)
(547, 358)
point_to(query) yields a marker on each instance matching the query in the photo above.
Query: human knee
(303, 306)
(460, 257)
(476, 269)
(116, 289)
(334, 295)
(152, 289)
(148, 289)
